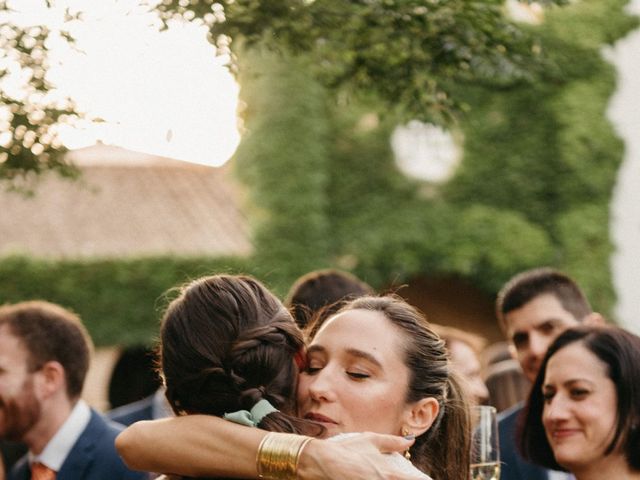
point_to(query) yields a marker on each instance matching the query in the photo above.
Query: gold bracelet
(278, 455)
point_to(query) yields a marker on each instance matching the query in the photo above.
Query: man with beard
(44, 358)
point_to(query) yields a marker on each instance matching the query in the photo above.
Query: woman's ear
(420, 415)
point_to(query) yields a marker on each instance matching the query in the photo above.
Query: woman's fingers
(357, 458)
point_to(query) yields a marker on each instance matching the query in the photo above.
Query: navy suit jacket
(93, 456)
(133, 412)
(514, 467)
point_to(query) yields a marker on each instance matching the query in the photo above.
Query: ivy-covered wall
(546, 151)
(283, 158)
(533, 188)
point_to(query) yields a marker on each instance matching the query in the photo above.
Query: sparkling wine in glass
(485, 454)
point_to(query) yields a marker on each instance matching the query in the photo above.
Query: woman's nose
(321, 386)
(556, 409)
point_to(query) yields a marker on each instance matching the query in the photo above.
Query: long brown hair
(442, 451)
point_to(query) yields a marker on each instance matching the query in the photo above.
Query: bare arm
(200, 445)
(192, 445)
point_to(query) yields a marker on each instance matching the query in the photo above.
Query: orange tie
(41, 472)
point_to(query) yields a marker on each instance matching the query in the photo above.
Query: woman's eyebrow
(569, 383)
(365, 356)
(573, 381)
(354, 352)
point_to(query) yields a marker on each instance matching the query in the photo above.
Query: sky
(163, 93)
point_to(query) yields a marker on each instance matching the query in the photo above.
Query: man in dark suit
(44, 358)
(533, 308)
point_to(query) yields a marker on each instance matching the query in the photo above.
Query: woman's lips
(560, 433)
(316, 417)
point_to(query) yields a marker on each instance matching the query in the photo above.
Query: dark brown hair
(227, 343)
(442, 451)
(528, 285)
(51, 333)
(322, 292)
(620, 351)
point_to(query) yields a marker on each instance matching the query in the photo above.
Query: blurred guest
(533, 308)
(323, 292)
(496, 352)
(44, 358)
(464, 351)
(503, 377)
(146, 401)
(583, 414)
(134, 376)
(506, 383)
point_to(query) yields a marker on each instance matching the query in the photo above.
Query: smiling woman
(583, 414)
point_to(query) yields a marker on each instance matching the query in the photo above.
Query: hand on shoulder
(357, 457)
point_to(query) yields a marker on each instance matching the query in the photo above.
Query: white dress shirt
(58, 448)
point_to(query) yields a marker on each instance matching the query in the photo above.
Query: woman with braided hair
(374, 366)
(226, 343)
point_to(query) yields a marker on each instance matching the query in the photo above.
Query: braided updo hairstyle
(227, 343)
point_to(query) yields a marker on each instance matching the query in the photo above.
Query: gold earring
(407, 454)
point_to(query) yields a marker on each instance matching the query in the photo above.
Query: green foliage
(547, 151)
(31, 112)
(406, 52)
(283, 157)
(586, 251)
(533, 187)
(389, 229)
(368, 217)
(120, 301)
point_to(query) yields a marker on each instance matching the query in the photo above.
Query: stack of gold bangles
(278, 455)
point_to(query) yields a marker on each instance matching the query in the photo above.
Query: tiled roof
(128, 210)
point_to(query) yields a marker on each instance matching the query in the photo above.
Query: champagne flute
(485, 454)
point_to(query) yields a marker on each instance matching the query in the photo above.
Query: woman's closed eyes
(354, 374)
